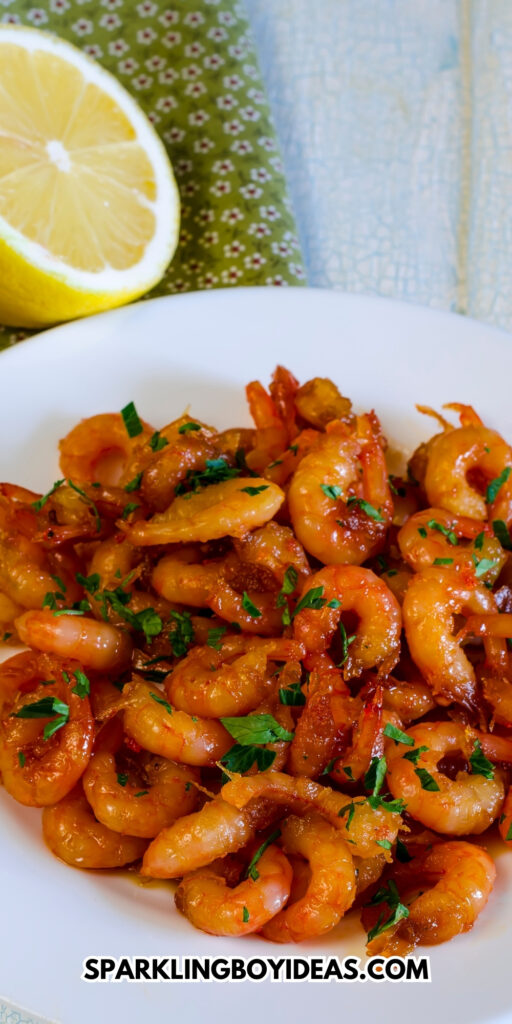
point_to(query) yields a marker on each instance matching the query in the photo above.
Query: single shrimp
(231, 508)
(72, 833)
(99, 448)
(129, 807)
(332, 886)
(339, 498)
(466, 804)
(247, 594)
(432, 600)
(40, 764)
(198, 839)
(151, 721)
(348, 588)
(458, 878)
(205, 899)
(364, 825)
(272, 433)
(434, 534)
(275, 549)
(180, 452)
(229, 681)
(461, 462)
(322, 730)
(112, 561)
(96, 645)
(25, 572)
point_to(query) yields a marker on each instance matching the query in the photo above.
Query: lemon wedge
(89, 208)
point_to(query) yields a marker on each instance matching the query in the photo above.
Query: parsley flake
(397, 735)
(214, 638)
(157, 442)
(161, 700)
(41, 502)
(252, 871)
(331, 491)
(313, 599)
(252, 491)
(442, 561)
(292, 696)
(427, 780)
(249, 607)
(134, 484)
(122, 779)
(256, 729)
(83, 686)
(449, 534)
(387, 894)
(186, 428)
(496, 484)
(45, 708)
(371, 511)
(131, 420)
(480, 765)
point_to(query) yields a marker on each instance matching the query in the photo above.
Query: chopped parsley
(422, 531)
(122, 779)
(483, 565)
(41, 502)
(249, 607)
(186, 428)
(239, 759)
(480, 765)
(214, 638)
(449, 534)
(402, 853)
(345, 643)
(385, 843)
(83, 686)
(387, 894)
(6, 637)
(132, 506)
(256, 729)
(414, 755)
(442, 561)
(253, 491)
(397, 735)
(134, 484)
(289, 583)
(157, 442)
(45, 708)
(496, 484)
(479, 541)
(131, 420)
(90, 583)
(502, 533)
(370, 510)
(182, 636)
(161, 700)
(252, 871)
(292, 696)
(143, 792)
(245, 915)
(216, 471)
(313, 599)
(331, 491)
(21, 759)
(427, 780)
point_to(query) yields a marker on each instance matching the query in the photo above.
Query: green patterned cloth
(193, 69)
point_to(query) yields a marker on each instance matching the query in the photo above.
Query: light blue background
(395, 123)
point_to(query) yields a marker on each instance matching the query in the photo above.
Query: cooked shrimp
(180, 452)
(332, 886)
(321, 731)
(456, 454)
(205, 899)
(198, 839)
(231, 681)
(96, 645)
(360, 822)
(247, 594)
(458, 878)
(25, 572)
(130, 808)
(464, 805)
(229, 509)
(274, 548)
(152, 722)
(434, 534)
(186, 582)
(72, 833)
(98, 449)
(432, 600)
(319, 402)
(112, 560)
(347, 588)
(339, 498)
(368, 871)
(40, 765)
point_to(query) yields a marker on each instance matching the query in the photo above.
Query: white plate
(201, 349)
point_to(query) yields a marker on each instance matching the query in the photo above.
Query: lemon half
(89, 208)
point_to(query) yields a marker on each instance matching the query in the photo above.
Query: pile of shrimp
(258, 664)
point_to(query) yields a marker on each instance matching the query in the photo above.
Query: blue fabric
(395, 122)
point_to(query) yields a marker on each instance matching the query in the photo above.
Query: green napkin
(192, 67)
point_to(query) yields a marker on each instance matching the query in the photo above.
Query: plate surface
(201, 349)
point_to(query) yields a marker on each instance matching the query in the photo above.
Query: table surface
(394, 117)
